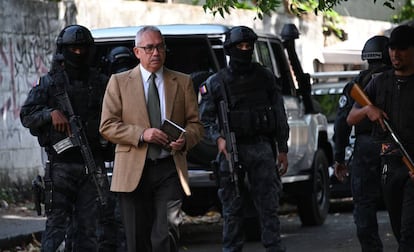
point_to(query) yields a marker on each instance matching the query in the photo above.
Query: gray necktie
(154, 112)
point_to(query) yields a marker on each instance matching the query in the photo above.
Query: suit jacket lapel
(170, 88)
(138, 95)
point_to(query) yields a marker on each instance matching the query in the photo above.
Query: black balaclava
(241, 60)
(76, 60)
(76, 65)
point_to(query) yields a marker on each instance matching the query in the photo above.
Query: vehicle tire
(313, 208)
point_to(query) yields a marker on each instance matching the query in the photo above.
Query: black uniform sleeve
(35, 111)
(342, 130)
(210, 93)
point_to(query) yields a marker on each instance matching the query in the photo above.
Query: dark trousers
(399, 200)
(73, 210)
(366, 191)
(263, 185)
(110, 231)
(145, 211)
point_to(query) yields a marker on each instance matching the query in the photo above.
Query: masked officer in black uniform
(392, 95)
(366, 167)
(120, 59)
(71, 196)
(257, 118)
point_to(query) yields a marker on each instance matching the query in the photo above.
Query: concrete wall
(27, 42)
(129, 13)
(366, 9)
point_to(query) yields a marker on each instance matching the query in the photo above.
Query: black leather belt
(153, 162)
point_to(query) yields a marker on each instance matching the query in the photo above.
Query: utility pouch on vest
(252, 122)
(241, 123)
(265, 120)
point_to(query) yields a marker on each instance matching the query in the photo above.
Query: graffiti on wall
(23, 58)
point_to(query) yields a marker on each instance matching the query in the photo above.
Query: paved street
(203, 234)
(336, 235)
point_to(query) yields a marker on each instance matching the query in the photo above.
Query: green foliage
(223, 7)
(332, 20)
(265, 7)
(15, 192)
(244, 5)
(332, 23)
(406, 13)
(7, 195)
(328, 104)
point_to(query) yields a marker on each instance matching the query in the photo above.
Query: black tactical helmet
(239, 34)
(75, 35)
(120, 59)
(376, 48)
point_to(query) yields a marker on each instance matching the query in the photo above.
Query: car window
(327, 100)
(282, 68)
(263, 55)
(189, 54)
(217, 46)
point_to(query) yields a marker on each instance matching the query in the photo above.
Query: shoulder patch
(342, 101)
(36, 83)
(203, 89)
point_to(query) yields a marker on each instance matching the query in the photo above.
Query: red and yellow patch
(37, 83)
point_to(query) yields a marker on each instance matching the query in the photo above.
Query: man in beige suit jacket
(148, 187)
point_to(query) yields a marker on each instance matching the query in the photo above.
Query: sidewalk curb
(19, 240)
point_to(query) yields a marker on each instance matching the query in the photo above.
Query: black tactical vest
(250, 102)
(86, 99)
(394, 96)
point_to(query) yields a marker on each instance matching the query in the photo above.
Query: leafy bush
(15, 192)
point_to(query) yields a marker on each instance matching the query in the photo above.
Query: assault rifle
(362, 99)
(78, 139)
(233, 156)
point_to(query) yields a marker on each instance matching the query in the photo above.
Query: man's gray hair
(145, 29)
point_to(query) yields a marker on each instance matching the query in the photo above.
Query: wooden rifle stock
(362, 99)
(359, 95)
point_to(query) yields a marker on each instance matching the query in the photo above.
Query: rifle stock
(359, 95)
(362, 99)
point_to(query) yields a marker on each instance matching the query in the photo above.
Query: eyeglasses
(150, 48)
